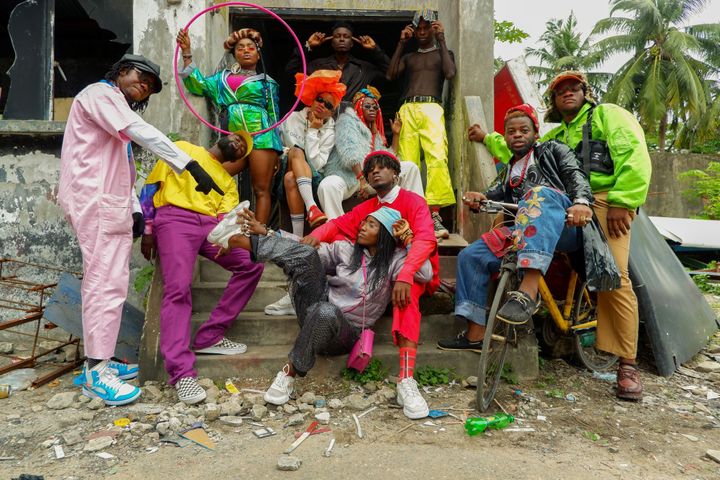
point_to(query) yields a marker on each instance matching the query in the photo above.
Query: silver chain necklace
(426, 50)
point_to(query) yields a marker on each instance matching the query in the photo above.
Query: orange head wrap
(319, 82)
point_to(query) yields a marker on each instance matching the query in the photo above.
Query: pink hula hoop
(181, 88)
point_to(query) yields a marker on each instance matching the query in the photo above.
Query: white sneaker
(189, 392)
(224, 347)
(283, 306)
(281, 388)
(227, 227)
(102, 382)
(408, 397)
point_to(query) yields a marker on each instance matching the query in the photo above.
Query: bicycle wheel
(585, 310)
(495, 345)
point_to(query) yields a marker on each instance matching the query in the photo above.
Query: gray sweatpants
(323, 327)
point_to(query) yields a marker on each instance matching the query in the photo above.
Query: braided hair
(112, 76)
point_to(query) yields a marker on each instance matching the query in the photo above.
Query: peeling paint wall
(32, 225)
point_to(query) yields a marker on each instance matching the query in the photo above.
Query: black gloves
(204, 181)
(138, 225)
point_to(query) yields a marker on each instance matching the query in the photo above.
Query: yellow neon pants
(423, 127)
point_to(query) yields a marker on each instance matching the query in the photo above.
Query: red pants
(406, 322)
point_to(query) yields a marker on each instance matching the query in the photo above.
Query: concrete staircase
(270, 338)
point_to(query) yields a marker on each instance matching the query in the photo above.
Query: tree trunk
(662, 132)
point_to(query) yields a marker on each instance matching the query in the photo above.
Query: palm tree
(565, 49)
(668, 76)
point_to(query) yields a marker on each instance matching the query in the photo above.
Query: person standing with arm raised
(421, 112)
(97, 175)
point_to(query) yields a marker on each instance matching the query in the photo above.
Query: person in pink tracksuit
(97, 175)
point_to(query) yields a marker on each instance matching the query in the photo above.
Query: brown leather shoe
(629, 386)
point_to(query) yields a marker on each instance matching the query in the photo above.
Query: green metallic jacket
(628, 185)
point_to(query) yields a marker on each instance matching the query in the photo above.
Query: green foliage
(144, 278)
(374, 372)
(705, 185)
(563, 48)
(431, 376)
(705, 285)
(555, 393)
(509, 375)
(506, 32)
(175, 136)
(591, 436)
(671, 71)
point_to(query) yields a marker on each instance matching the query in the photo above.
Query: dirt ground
(568, 425)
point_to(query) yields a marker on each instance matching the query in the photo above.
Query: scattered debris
(437, 414)
(264, 432)
(230, 387)
(288, 463)
(302, 437)
(713, 455)
(231, 420)
(98, 443)
(357, 425)
(121, 422)
(323, 418)
(328, 450)
(360, 415)
(199, 435)
(105, 455)
(59, 452)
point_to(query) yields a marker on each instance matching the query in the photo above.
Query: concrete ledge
(31, 127)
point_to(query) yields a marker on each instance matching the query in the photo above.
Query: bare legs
(262, 167)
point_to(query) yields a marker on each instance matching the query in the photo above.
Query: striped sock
(407, 362)
(298, 224)
(305, 186)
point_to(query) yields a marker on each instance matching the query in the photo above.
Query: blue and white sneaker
(101, 382)
(124, 371)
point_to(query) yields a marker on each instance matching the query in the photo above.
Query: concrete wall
(665, 198)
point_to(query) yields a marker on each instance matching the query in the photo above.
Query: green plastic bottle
(475, 425)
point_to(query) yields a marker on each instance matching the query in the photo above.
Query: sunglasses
(248, 48)
(371, 106)
(327, 104)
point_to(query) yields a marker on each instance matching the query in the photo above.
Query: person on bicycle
(553, 197)
(620, 183)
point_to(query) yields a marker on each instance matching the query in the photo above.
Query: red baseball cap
(567, 76)
(527, 110)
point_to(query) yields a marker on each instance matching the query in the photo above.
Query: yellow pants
(617, 319)
(423, 127)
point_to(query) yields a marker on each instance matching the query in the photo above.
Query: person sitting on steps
(548, 184)
(337, 289)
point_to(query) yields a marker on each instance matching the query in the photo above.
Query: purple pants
(180, 236)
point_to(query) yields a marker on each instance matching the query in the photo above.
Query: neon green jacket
(628, 185)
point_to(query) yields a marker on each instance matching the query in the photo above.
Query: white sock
(305, 186)
(298, 224)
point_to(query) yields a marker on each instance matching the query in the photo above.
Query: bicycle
(577, 319)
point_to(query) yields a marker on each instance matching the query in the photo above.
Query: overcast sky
(531, 16)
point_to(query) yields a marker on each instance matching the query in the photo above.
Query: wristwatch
(581, 201)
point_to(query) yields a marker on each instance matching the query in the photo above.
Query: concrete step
(258, 329)
(205, 295)
(212, 272)
(266, 361)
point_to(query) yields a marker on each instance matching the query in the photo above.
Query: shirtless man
(421, 112)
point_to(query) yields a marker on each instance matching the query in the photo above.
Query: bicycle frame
(562, 319)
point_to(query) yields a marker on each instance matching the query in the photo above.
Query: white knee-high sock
(305, 186)
(298, 224)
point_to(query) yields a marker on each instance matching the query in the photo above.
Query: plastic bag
(20, 379)
(601, 272)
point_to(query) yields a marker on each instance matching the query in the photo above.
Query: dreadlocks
(112, 76)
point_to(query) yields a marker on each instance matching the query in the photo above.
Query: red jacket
(412, 208)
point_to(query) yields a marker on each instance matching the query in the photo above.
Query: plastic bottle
(475, 425)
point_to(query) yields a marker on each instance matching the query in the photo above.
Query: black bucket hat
(145, 65)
